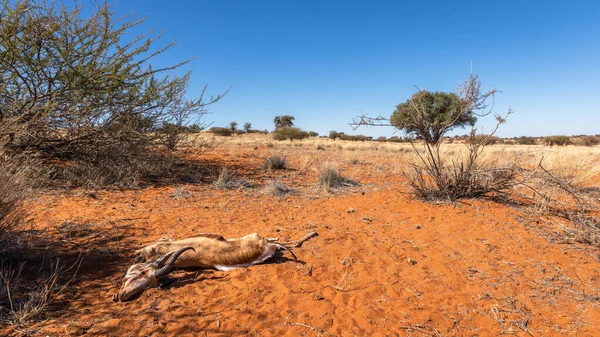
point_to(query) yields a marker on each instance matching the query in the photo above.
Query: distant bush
(264, 132)
(335, 134)
(355, 138)
(557, 140)
(381, 139)
(489, 140)
(589, 140)
(289, 133)
(225, 132)
(395, 139)
(524, 140)
(313, 134)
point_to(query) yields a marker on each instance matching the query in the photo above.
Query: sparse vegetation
(24, 301)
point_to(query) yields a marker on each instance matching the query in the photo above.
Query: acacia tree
(427, 117)
(283, 121)
(431, 114)
(247, 126)
(233, 127)
(79, 88)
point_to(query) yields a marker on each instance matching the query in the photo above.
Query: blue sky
(326, 61)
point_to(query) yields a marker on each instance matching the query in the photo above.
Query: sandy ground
(382, 265)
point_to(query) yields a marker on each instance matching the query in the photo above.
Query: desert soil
(383, 264)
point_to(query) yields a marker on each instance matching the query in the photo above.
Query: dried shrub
(277, 189)
(460, 179)
(565, 188)
(330, 177)
(228, 180)
(589, 140)
(17, 176)
(24, 301)
(275, 162)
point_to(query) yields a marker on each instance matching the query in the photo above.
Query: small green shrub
(225, 132)
(355, 138)
(524, 140)
(489, 140)
(335, 134)
(289, 133)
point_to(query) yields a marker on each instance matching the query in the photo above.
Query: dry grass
(181, 193)
(228, 180)
(24, 301)
(330, 177)
(275, 162)
(277, 189)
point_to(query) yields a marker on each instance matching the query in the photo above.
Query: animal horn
(169, 265)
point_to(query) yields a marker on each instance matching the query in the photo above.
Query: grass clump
(275, 162)
(330, 177)
(277, 189)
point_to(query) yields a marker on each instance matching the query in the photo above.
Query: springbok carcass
(142, 276)
(213, 251)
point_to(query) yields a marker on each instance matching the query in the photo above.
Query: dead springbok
(215, 252)
(142, 276)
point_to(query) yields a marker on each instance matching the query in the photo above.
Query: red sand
(394, 266)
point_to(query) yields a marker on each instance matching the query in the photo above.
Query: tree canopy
(283, 121)
(429, 115)
(78, 86)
